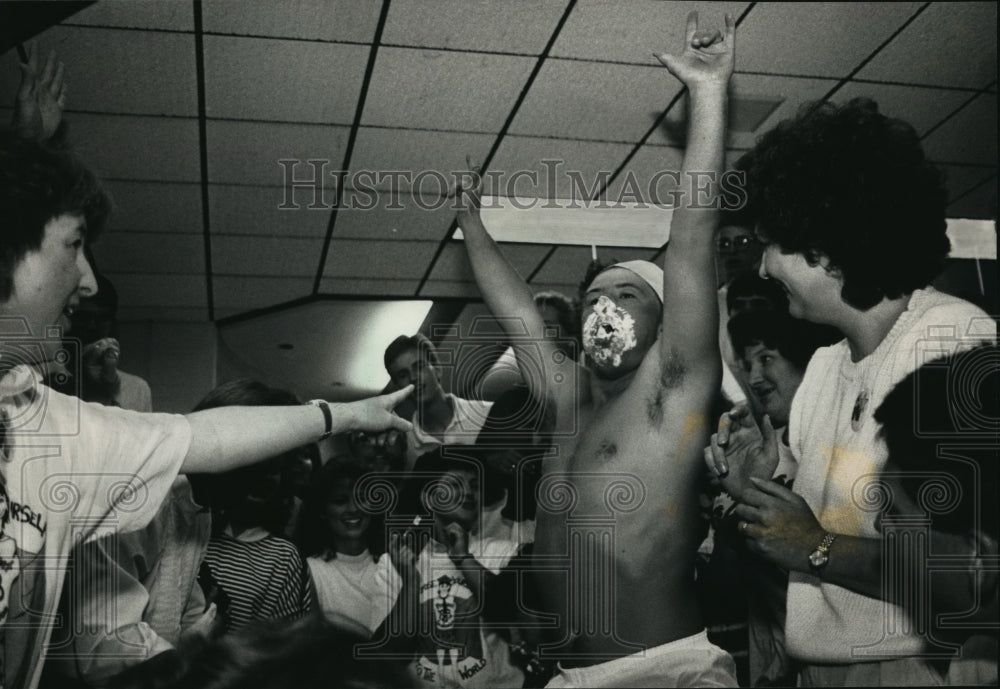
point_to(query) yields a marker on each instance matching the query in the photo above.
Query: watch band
(824, 546)
(327, 417)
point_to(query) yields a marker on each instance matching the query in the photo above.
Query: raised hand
(402, 553)
(375, 413)
(706, 57)
(457, 541)
(41, 97)
(740, 450)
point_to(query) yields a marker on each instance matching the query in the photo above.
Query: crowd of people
(782, 427)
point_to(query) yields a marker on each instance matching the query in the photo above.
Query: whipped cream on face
(608, 333)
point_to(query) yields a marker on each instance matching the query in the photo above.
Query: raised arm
(225, 438)
(689, 332)
(512, 302)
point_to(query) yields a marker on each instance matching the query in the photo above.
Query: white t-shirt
(74, 471)
(355, 591)
(468, 420)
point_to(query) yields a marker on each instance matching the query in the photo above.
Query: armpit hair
(672, 373)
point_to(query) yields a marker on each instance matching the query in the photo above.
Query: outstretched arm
(690, 326)
(225, 438)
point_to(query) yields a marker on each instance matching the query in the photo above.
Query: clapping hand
(740, 450)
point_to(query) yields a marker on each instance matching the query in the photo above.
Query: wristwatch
(821, 556)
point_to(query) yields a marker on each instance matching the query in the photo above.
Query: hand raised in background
(41, 97)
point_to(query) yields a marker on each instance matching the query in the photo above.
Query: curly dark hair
(851, 184)
(38, 183)
(795, 339)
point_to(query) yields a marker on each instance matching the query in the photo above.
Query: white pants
(693, 661)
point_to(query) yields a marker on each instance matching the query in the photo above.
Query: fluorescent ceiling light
(629, 224)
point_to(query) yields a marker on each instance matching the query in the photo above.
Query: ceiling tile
(417, 155)
(920, 106)
(453, 263)
(288, 81)
(139, 72)
(173, 16)
(521, 27)
(619, 103)
(614, 31)
(968, 137)
(248, 293)
(161, 314)
(385, 287)
(156, 207)
(353, 258)
(551, 168)
(440, 90)
(960, 179)
(263, 256)
(790, 92)
(817, 38)
(647, 176)
(248, 153)
(326, 20)
(980, 203)
(258, 211)
(150, 252)
(568, 265)
(949, 44)
(398, 218)
(172, 291)
(446, 288)
(138, 148)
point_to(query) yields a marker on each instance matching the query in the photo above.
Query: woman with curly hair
(852, 217)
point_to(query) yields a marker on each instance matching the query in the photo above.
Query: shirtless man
(617, 525)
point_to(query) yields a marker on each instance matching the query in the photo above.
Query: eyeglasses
(741, 243)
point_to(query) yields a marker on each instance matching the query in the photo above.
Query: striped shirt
(265, 579)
